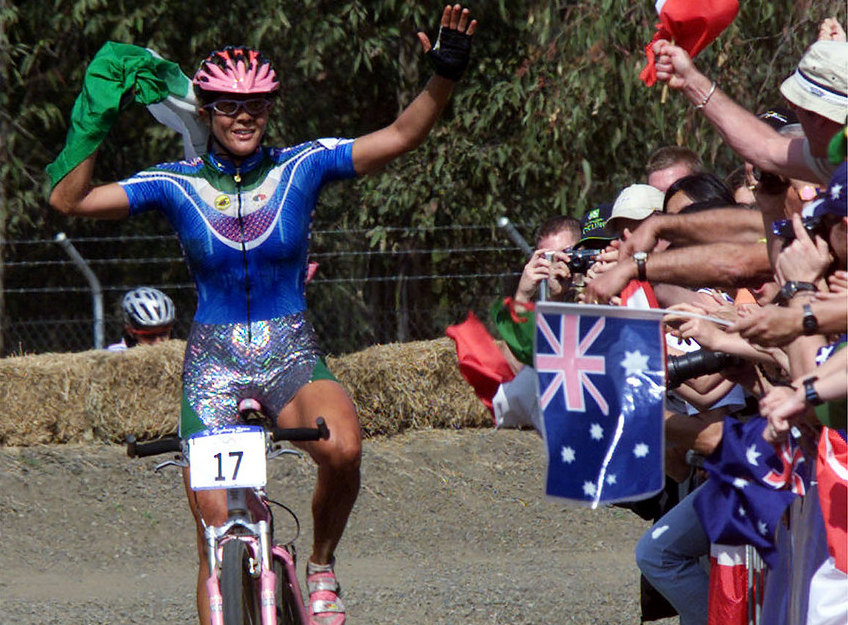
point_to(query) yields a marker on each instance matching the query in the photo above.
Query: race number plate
(228, 457)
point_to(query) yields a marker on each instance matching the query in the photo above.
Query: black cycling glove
(450, 54)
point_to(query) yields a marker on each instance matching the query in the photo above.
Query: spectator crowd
(751, 265)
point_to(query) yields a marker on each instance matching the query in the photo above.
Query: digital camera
(784, 229)
(579, 261)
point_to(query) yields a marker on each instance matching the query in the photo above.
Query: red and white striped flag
(832, 475)
(728, 586)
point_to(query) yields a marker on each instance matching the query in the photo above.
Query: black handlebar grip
(130, 440)
(302, 434)
(323, 430)
(152, 448)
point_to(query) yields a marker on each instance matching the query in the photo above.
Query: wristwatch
(809, 321)
(791, 289)
(810, 394)
(641, 258)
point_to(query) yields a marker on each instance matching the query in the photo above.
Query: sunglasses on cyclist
(152, 333)
(231, 108)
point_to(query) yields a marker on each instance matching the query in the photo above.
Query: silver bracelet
(707, 97)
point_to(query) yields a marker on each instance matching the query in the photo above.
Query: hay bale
(43, 398)
(66, 398)
(400, 386)
(138, 391)
(76, 397)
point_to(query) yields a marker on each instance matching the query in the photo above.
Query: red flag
(639, 294)
(728, 604)
(481, 362)
(832, 474)
(689, 24)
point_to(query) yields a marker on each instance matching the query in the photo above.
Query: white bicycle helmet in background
(146, 307)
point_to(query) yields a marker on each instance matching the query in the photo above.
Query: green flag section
(837, 151)
(118, 75)
(515, 329)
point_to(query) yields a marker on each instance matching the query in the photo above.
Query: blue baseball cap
(835, 198)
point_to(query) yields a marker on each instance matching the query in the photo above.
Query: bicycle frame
(249, 521)
(257, 536)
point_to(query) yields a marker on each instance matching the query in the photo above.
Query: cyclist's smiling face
(240, 132)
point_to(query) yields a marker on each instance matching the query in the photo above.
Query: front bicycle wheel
(239, 590)
(287, 612)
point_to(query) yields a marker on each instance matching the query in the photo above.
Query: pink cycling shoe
(325, 606)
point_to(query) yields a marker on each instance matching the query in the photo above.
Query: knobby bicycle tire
(239, 590)
(287, 612)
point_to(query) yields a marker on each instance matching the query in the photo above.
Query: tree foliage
(551, 117)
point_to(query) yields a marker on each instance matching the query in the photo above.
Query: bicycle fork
(258, 542)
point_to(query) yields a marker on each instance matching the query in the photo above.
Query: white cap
(820, 82)
(638, 201)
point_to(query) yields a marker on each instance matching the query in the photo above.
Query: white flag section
(828, 596)
(601, 374)
(178, 112)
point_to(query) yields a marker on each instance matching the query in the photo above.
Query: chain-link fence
(399, 284)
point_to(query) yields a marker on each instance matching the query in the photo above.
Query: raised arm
(751, 138)
(721, 265)
(450, 55)
(730, 225)
(74, 195)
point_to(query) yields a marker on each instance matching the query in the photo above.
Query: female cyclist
(243, 215)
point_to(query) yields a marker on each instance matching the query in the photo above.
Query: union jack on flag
(751, 484)
(601, 388)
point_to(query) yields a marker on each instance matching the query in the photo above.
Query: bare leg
(214, 506)
(338, 460)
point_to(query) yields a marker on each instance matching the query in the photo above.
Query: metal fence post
(93, 282)
(514, 235)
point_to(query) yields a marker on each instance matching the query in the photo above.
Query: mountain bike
(252, 579)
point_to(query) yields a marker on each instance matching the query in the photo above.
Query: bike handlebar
(173, 444)
(152, 448)
(320, 431)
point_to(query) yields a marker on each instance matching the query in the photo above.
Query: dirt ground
(451, 527)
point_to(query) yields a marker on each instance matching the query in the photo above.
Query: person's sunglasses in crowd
(231, 108)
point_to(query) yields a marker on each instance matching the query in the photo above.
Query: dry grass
(63, 398)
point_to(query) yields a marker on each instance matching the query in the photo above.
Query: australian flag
(601, 387)
(750, 485)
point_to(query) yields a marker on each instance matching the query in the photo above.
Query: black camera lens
(695, 364)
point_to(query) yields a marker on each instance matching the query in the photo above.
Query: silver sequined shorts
(225, 363)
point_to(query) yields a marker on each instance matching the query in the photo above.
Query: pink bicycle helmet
(236, 70)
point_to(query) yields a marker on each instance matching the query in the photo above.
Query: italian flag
(118, 75)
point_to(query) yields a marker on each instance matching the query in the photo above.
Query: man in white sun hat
(633, 204)
(817, 90)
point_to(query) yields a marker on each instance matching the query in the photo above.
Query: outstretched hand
(805, 259)
(831, 30)
(781, 406)
(687, 328)
(451, 51)
(642, 239)
(769, 326)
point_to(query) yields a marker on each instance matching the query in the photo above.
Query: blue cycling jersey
(244, 231)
